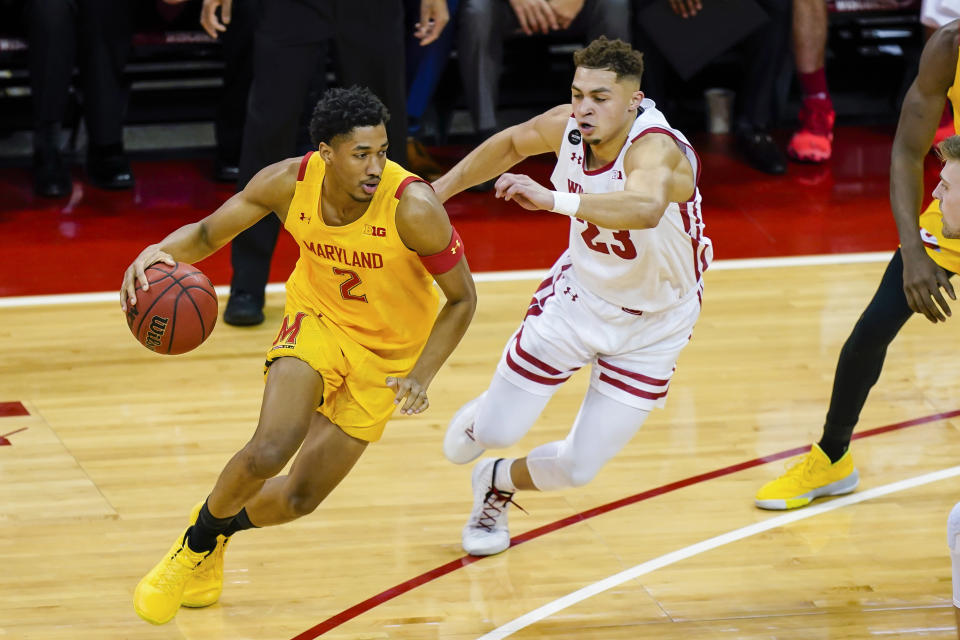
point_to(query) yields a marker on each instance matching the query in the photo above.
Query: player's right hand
(922, 280)
(136, 272)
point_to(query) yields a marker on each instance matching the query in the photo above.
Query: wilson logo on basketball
(376, 232)
(158, 327)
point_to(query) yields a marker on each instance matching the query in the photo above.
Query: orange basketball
(177, 312)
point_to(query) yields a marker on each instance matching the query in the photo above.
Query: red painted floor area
(83, 245)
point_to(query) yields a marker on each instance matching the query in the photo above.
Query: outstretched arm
(657, 173)
(424, 227)
(541, 134)
(919, 116)
(270, 190)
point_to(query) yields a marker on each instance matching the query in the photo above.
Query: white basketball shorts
(633, 353)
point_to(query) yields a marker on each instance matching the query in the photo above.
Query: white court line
(706, 545)
(487, 276)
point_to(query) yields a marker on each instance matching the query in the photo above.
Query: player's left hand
(413, 391)
(434, 16)
(525, 191)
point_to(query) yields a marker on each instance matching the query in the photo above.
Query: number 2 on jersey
(625, 249)
(349, 284)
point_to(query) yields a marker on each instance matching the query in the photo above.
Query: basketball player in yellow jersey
(928, 256)
(360, 334)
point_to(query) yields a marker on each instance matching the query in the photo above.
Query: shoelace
(490, 513)
(206, 569)
(171, 580)
(801, 468)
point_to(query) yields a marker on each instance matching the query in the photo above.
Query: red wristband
(446, 259)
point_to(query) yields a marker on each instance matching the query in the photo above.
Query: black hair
(615, 55)
(340, 111)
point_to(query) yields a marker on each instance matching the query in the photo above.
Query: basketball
(177, 313)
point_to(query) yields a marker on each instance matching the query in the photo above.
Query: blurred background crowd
(85, 83)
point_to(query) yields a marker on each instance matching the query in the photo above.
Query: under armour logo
(566, 292)
(305, 217)
(453, 251)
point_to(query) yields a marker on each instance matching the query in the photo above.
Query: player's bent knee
(492, 439)
(953, 531)
(265, 460)
(580, 476)
(301, 504)
(953, 528)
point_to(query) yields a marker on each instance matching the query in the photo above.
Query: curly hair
(949, 148)
(339, 111)
(616, 55)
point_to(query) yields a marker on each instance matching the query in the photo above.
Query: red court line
(442, 570)
(11, 409)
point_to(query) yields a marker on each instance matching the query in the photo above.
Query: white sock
(503, 481)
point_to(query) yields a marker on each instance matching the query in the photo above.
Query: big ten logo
(376, 232)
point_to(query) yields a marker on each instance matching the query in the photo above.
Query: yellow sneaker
(812, 477)
(157, 596)
(206, 583)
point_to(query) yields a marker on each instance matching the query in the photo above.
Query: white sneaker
(486, 531)
(459, 445)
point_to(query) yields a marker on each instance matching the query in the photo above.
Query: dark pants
(97, 35)
(861, 358)
(289, 42)
(764, 54)
(425, 65)
(237, 45)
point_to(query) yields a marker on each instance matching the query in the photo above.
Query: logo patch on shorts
(574, 136)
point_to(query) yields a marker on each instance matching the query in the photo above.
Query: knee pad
(953, 528)
(493, 438)
(953, 531)
(552, 467)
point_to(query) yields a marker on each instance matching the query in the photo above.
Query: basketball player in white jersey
(622, 298)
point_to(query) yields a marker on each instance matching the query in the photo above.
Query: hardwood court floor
(120, 443)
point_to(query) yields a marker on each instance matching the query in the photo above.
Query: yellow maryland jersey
(944, 251)
(360, 276)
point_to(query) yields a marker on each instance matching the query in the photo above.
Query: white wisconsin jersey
(638, 269)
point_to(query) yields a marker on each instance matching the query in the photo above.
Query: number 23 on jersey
(623, 247)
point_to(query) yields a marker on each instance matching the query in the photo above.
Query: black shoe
(51, 177)
(108, 167)
(224, 171)
(243, 310)
(761, 152)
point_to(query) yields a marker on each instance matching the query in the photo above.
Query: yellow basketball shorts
(356, 397)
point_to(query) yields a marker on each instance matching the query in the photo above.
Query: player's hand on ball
(524, 190)
(135, 273)
(413, 391)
